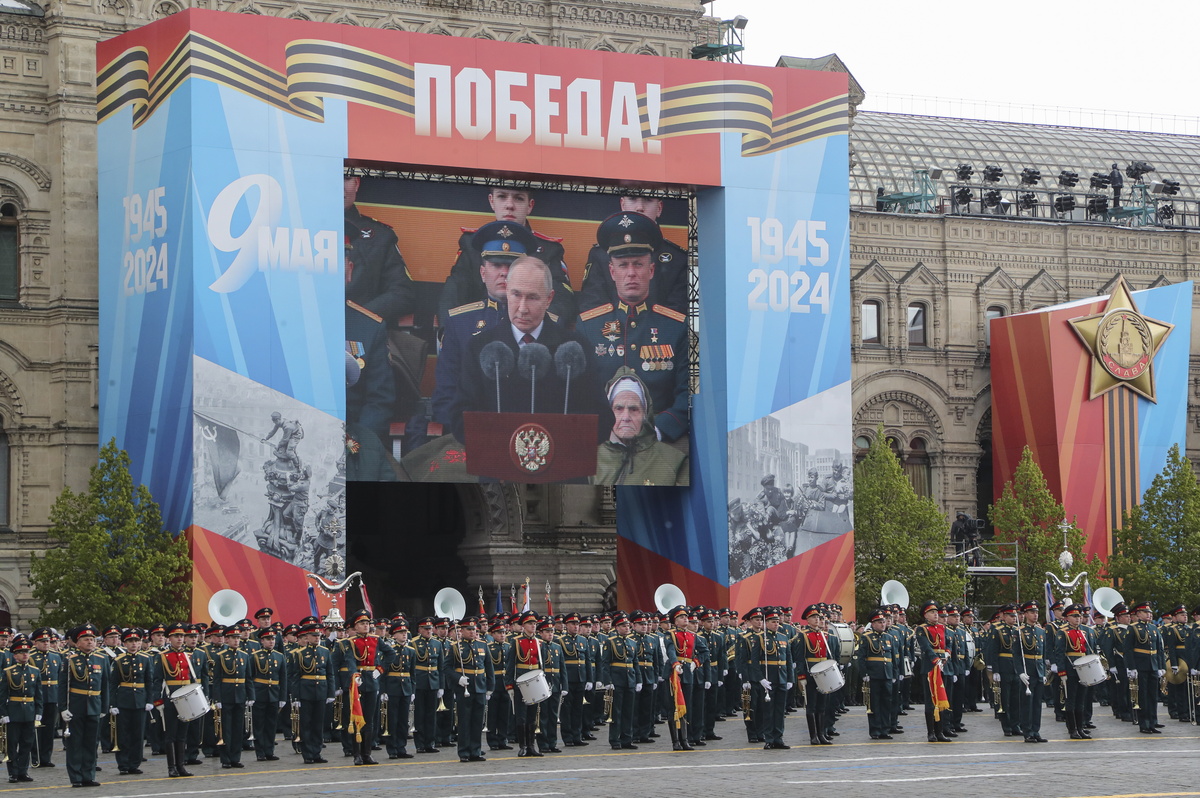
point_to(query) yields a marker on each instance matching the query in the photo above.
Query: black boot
(684, 745)
(1073, 726)
(180, 747)
(675, 746)
(172, 770)
(929, 733)
(813, 737)
(522, 746)
(531, 745)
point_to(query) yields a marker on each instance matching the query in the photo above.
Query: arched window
(10, 265)
(870, 323)
(993, 312)
(916, 466)
(861, 444)
(916, 324)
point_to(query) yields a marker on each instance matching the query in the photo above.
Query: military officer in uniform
(1069, 644)
(49, 664)
(1175, 636)
(370, 387)
(500, 709)
(577, 677)
(131, 689)
(959, 667)
(931, 641)
(636, 333)
(376, 275)
(268, 674)
(469, 672)
(1002, 655)
(618, 672)
(878, 669)
(427, 686)
(310, 690)
(649, 656)
(768, 666)
(527, 654)
(1112, 646)
(513, 205)
(687, 654)
(810, 647)
(231, 671)
(1145, 661)
(369, 654)
(396, 690)
(21, 692)
(669, 287)
(547, 733)
(1034, 653)
(83, 699)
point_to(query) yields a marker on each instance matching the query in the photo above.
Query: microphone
(532, 364)
(569, 358)
(496, 360)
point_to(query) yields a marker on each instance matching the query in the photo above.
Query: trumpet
(1162, 685)
(112, 730)
(746, 703)
(608, 699)
(384, 724)
(1133, 689)
(4, 741)
(295, 727)
(337, 713)
(217, 724)
(1193, 695)
(867, 696)
(248, 730)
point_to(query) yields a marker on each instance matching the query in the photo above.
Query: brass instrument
(608, 699)
(384, 725)
(867, 696)
(978, 664)
(1133, 689)
(4, 741)
(248, 732)
(216, 710)
(746, 704)
(1178, 675)
(1162, 684)
(295, 727)
(441, 707)
(1193, 695)
(337, 713)
(112, 730)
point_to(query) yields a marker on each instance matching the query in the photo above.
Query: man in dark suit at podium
(530, 291)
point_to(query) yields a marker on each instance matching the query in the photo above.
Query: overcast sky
(993, 60)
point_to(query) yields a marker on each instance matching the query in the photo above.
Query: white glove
(374, 674)
(945, 655)
(996, 678)
(1113, 671)
(327, 701)
(440, 693)
(1132, 674)
(383, 698)
(720, 683)
(282, 704)
(463, 681)
(745, 685)
(295, 705)
(654, 686)
(1024, 677)
(765, 683)
(866, 679)
(587, 687)
(4, 720)
(337, 693)
(637, 688)
(249, 704)
(37, 718)
(1174, 669)
(488, 696)
(114, 711)
(708, 685)
(660, 679)
(1160, 672)
(954, 679)
(692, 665)
(564, 693)
(789, 685)
(149, 707)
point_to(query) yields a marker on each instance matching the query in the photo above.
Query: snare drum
(189, 702)
(533, 687)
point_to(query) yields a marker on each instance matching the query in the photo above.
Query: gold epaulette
(373, 316)
(467, 308)
(600, 310)
(663, 310)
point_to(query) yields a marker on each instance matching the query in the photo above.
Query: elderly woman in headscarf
(632, 454)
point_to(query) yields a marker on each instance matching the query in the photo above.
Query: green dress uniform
(49, 664)
(1112, 647)
(131, 679)
(810, 648)
(311, 687)
(689, 652)
(714, 681)
(470, 674)
(231, 672)
(85, 698)
(878, 669)
(1034, 652)
(396, 686)
(577, 675)
(547, 733)
(201, 733)
(268, 672)
(618, 671)
(1145, 660)
(21, 696)
(769, 671)
(1002, 656)
(427, 689)
(650, 653)
(1175, 643)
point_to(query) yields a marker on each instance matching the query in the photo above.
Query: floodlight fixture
(1027, 200)
(991, 198)
(1138, 169)
(1099, 180)
(1168, 187)
(1068, 179)
(963, 172)
(992, 174)
(1030, 177)
(935, 173)
(1097, 205)
(962, 196)
(1166, 212)
(1064, 203)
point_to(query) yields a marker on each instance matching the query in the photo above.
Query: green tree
(1028, 514)
(114, 562)
(1155, 554)
(899, 535)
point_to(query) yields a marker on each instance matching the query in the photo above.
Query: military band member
(83, 699)
(49, 664)
(688, 655)
(110, 646)
(547, 733)
(1112, 646)
(959, 667)
(768, 666)
(878, 669)
(427, 686)
(131, 689)
(810, 648)
(371, 654)
(634, 332)
(974, 674)
(577, 676)
(1069, 644)
(649, 652)
(593, 706)
(21, 692)
(500, 709)
(396, 690)
(310, 689)
(268, 673)
(231, 671)
(527, 654)
(469, 672)
(1175, 636)
(1034, 652)
(931, 640)
(445, 715)
(1004, 668)
(618, 674)
(1145, 661)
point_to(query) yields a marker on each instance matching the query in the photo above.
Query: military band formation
(197, 693)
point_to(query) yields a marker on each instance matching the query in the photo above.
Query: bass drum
(845, 637)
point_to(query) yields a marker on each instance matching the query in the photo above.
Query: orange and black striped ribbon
(1121, 451)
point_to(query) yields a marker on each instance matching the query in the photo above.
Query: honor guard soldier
(636, 333)
(670, 284)
(959, 667)
(528, 654)
(1146, 662)
(931, 640)
(268, 674)
(1067, 646)
(618, 673)
(547, 733)
(1003, 657)
(21, 692)
(769, 667)
(427, 686)
(469, 672)
(83, 699)
(310, 690)
(49, 664)
(231, 672)
(396, 690)
(810, 648)
(577, 676)
(513, 206)
(687, 654)
(878, 669)
(131, 677)
(363, 657)
(499, 244)
(1034, 653)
